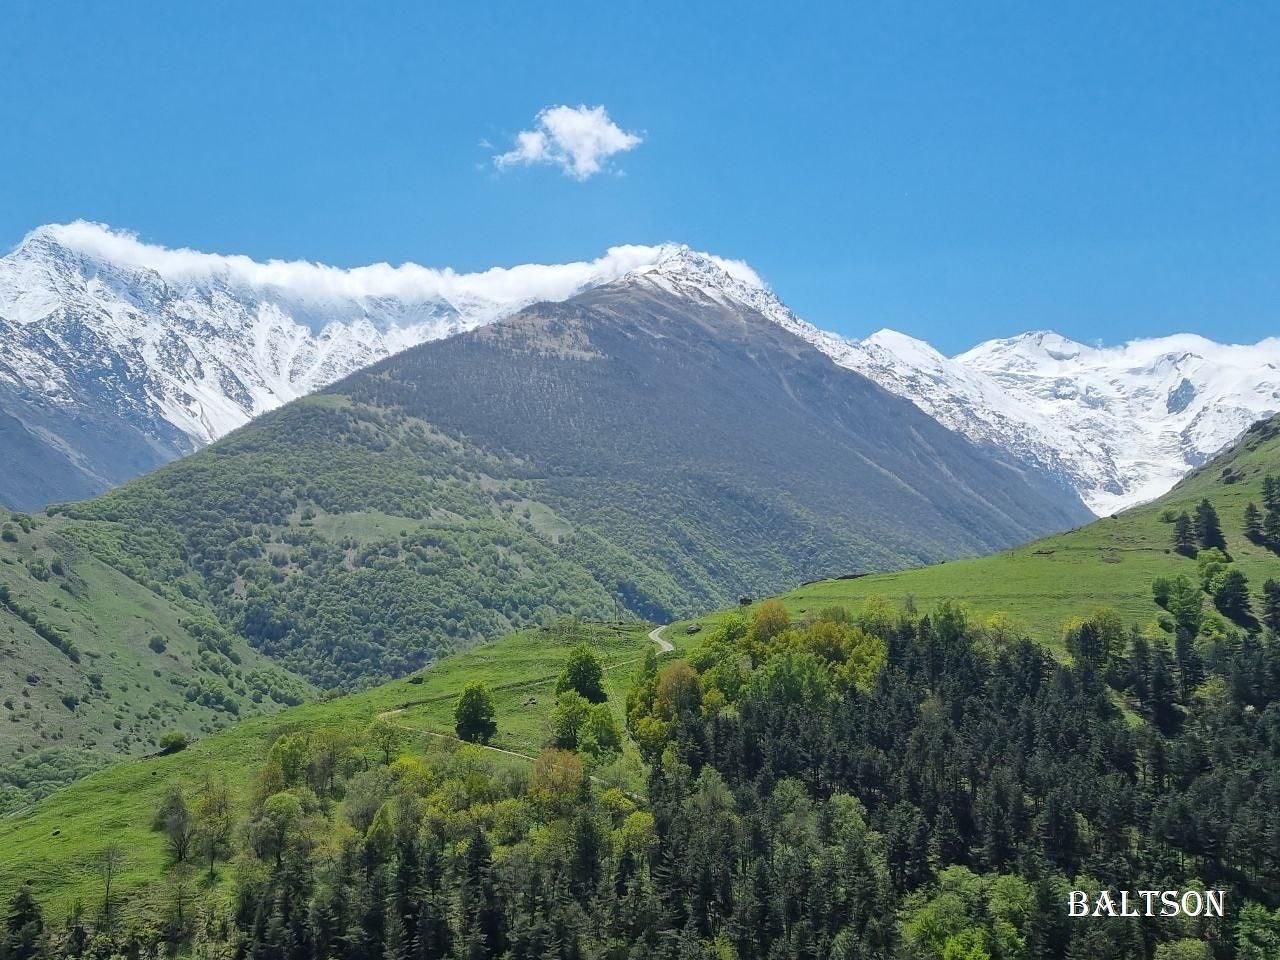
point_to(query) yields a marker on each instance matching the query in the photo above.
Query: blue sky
(955, 171)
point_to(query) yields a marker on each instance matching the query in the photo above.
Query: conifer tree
(1208, 527)
(1271, 492)
(1271, 530)
(23, 927)
(1184, 535)
(1231, 595)
(1253, 523)
(1271, 604)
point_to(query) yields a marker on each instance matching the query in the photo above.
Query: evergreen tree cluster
(1203, 531)
(878, 785)
(1263, 526)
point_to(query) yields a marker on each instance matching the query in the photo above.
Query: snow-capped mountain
(1117, 425)
(1130, 421)
(120, 355)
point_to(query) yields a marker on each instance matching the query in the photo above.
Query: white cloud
(321, 285)
(578, 140)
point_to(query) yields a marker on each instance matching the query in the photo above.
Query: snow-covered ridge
(204, 342)
(1118, 425)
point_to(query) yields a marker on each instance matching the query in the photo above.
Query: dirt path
(664, 646)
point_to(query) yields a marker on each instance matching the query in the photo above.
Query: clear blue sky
(957, 171)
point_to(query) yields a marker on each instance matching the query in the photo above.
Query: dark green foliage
(936, 808)
(1271, 604)
(583, 674)
(173, 741)
(474, 714)
(1253, 523)
(1184, 535)
(1208, 528)
(20, 938)
(1231, 595)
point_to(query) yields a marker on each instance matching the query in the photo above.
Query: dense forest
(874, 784)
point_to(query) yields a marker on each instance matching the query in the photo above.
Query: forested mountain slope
(878, 785)
(95, 665)
(1114, 561)
(633, 447)
(643, 447)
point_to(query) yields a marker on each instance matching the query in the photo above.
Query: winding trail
(664, 646)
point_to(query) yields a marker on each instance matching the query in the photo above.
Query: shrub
(173, 742)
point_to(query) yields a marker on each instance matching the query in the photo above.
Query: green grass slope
(54, 843)
(1111, 562)
(95, 665)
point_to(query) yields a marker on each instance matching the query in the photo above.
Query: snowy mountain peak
(184, 346)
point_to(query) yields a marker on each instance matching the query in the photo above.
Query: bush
(173, 742)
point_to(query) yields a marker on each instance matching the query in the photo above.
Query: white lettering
(1169, 903)
(1104, 901)
(1147, 896)
(1198, 901)
(1078, 903)
(1216, 902)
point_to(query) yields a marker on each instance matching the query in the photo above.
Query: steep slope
(639, 447)
(52, 844)
(95, 664)
(1112, 562)
(121, 356)
(1117, 425)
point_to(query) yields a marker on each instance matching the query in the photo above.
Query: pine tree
(395, 941)
(433, 939)
(1271, 604)
(1208, 527)
(1271, 530)
(23, 927)
(1271, 492)
(1253, 522)
(1184, 535)
(1231, 595)
(1163, 690)
(484, 931)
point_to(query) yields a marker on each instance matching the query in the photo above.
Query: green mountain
(633, 449)
(1111, 562)
(95, 665)
(627, 448)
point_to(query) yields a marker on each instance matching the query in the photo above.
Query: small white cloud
(578, 140)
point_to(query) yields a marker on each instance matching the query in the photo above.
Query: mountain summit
(122, 355)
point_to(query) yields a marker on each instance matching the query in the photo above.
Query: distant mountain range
(120, 356)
